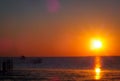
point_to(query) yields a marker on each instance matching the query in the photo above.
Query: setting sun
(96, 44)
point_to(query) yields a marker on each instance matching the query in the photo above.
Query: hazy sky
(57, 27)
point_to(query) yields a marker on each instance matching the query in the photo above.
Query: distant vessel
(22, 57)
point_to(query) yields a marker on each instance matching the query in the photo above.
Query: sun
(96, 44)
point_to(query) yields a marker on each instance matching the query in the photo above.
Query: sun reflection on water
(97, 68)
(97, 73)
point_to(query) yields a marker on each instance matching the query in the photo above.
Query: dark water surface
(60, 75)
(66, 62)
(63, 69)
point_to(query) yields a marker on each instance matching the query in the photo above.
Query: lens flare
(53, 5)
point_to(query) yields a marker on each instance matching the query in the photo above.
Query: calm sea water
(64, 69)
(65, 62)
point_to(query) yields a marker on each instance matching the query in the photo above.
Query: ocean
(63, 69)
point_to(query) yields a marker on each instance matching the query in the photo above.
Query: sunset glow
(53, 28)
(60, 40)
(96, 44)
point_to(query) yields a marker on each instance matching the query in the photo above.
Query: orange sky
(58, 28)
(66, 44)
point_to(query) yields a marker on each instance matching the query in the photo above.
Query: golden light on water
(97, 68)
(97, 73)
